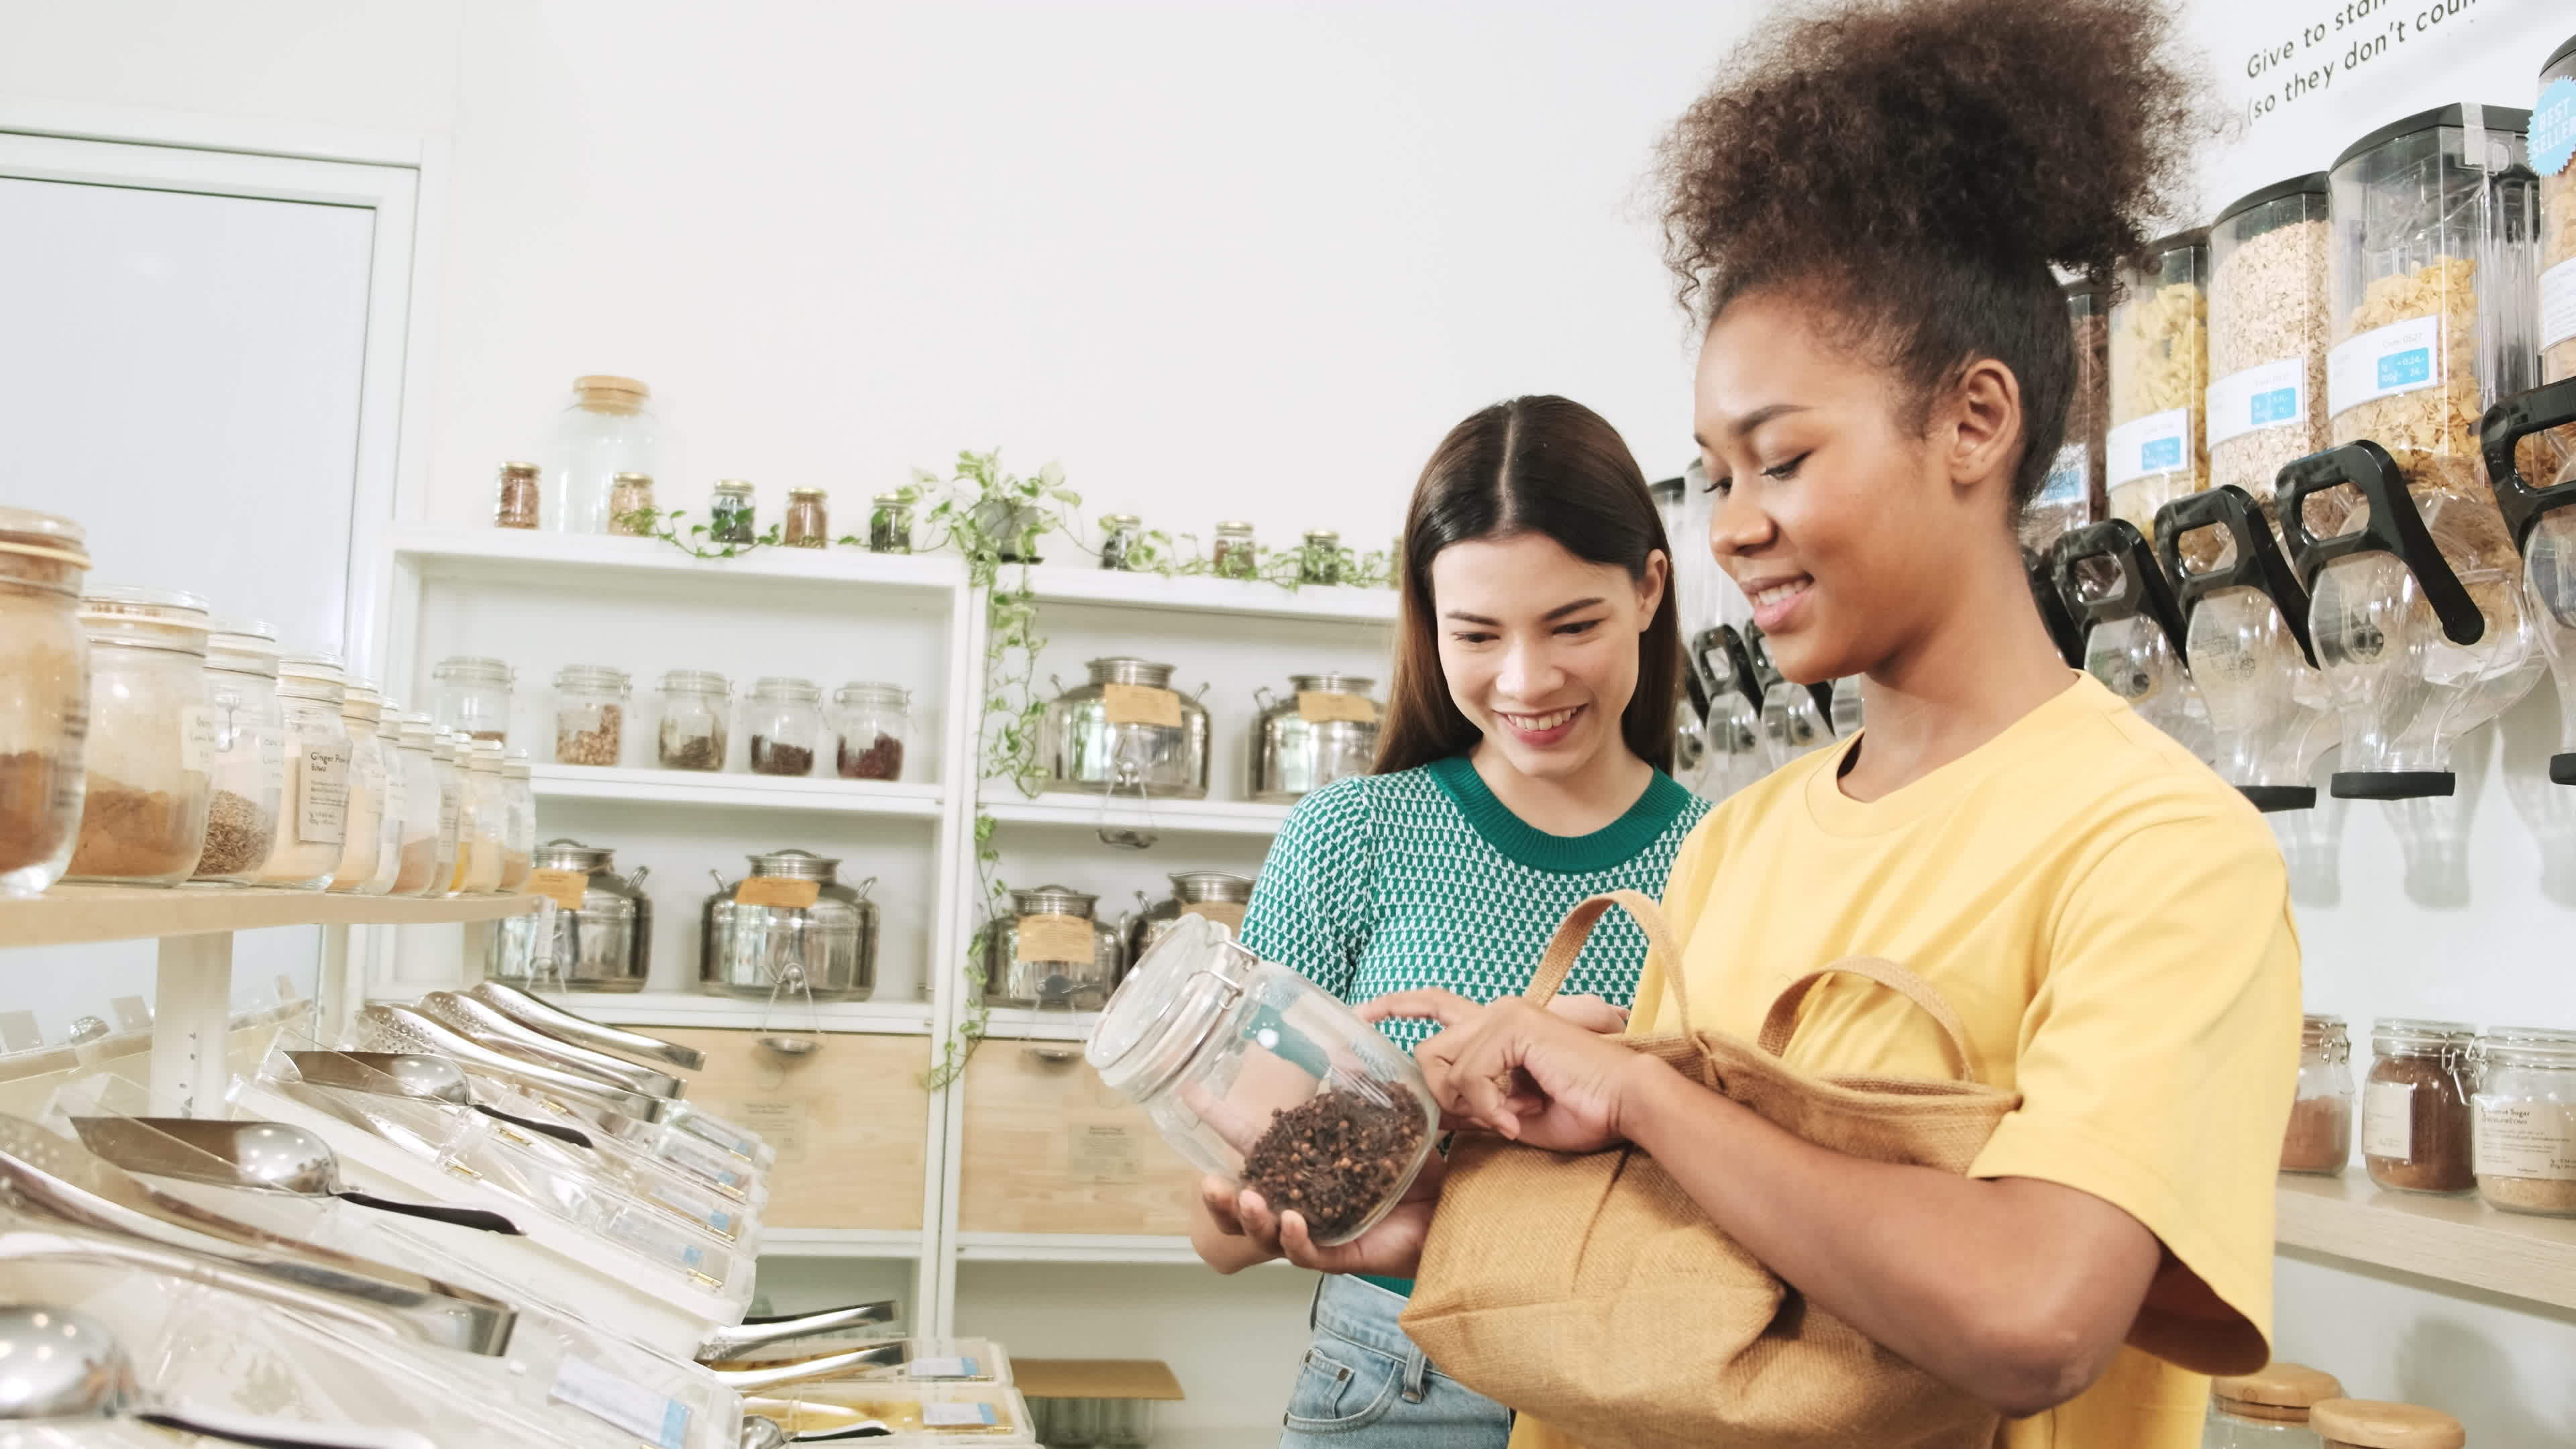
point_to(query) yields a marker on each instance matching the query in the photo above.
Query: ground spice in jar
(498, 737)
(2320, 1135)
(238, 835)
(127, 833)
(2415, 1134)
(419, 867)
(1334, 1158)
(776, 759)
(599, 746)
(31, 830)
(882, 760)
(691, 752)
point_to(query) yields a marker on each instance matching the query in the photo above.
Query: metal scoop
(417, 1075)
(399, 1028)
(261, 1156)
(482, 1023)
(744, 1380)
(727, 1343)
(66, 1367)
(539, 1014)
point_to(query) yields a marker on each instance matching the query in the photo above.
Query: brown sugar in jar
(2320, 1133)
(2415, 1121)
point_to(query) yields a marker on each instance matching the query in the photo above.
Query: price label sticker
(658, 1419)
(1316, 706)
(1140, 704)
(563, 887)
(322, 775)
(1103, 1152)
(2388, 1120)
(778, 891)
(978, 1415)
(942, 1368)
(1054, 938)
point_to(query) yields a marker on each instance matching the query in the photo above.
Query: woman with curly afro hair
(1864, 215)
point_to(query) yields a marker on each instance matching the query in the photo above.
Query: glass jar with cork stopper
(2415, 1129)
(2268, 1408)
(607, 429)
(151, 737)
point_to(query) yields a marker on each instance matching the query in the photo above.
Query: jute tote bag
(1591, 1293)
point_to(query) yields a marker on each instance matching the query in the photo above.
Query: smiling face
(1843, 521)
(1539, 647)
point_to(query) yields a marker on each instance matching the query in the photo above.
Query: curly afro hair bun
(1903, 159)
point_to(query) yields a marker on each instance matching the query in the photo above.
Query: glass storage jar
(1120, 537)
(2415, 1108)
(472, 695)
(1246, 1068)
(590, 714)
(696, 708)
(786, 726)
(44, 697)
(249, 772)
(2320, 1135)
(871, 723)
(608, 428)
(481, 821)
(2073, 494)
(418, 869)
(1324, 729)
(2525, 1120)
(448, 750)
(2154, 452)
(397, 812)
(313, 805)
(1235, 556)
(730, 512)
(518, 822)
(1126, 729)
(362, 710)
(151, 737)
(809, 520)
(2374, 1424)
(1051, 951)
(890, 523)
(2268, 1408)
(1320, 561)
(514, 501)
(2267, 333)
(630, 495)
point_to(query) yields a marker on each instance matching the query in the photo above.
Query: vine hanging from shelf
(653, 523)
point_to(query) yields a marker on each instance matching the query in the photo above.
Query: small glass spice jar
(151, 737)
(2525, 1120)
(472, 695)
(518, 821)
(362, 711)
(313, 808)
(1233, 555)
(1120, 533)
(729, 513)
(44, 697)
(250, 743)
(2373, 1424)
(809, 522)
(481, 819)
(514, 501)
(630, 495)
(786, 726)
(890, 523)
(389, 832)
(417, 869)
(590, 714)
(447, 751)
(871, 722)
(2320, 1135)
(1320, 562)
(2268, 1408)
(2415, 1108)
(696, 709)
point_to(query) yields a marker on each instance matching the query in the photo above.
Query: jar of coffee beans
(870, 723)
(786, 726)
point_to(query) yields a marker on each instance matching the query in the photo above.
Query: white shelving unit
(2455, 1240)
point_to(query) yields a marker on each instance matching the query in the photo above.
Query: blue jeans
(1365, 1386)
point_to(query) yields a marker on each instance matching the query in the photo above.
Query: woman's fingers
(1591, 1013)
(1428, 1002)
(1218, 1198)
(1259, 1223)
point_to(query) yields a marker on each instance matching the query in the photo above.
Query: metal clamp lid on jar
(1126, 669)
(801, 865)
(2325, 1034)
(2409, 1036)
(1164, 1012)
(1193, 886)
(592, 678)
(1329, 683)
(2528, 1046)
(696, 681)
(312, 676)
(871, 692)
(1053, 900)
(470, 669)
(141, 618)
(781, 687)
(243, 646)
(49, 539)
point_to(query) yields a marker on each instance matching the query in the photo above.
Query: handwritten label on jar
(657, 1419)
(778, 890)
(563, 887)
(322, 792)
(1317, 707)
(2157, 443)
(1103, 1152)
(2258, 397)
(197, 734)
(2526, 1139)
(2388, 1120)
(1229, 913)
(1055, 938)
(2383, 362)
(1139, 704)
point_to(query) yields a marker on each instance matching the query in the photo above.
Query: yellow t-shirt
(2111, 922)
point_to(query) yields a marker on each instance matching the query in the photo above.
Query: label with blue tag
(2553, 127)
(2156, 443)
(2558, 304)
(2067, 473)
(953, 1367)
(2383, 362)
(657, 1419)
(977, 1415)
(2258, 397)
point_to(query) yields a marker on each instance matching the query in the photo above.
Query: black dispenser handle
(1722, 642)
(2062, 629)
(2395, 527)
(1766, 674)
(2259, 563)
(2500, 434)
(2143, 589)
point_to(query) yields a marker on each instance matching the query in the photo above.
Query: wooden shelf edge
(2456, 1240)
(79, 914)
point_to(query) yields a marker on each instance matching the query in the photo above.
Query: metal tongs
(538, 1014)
(401, 1029)
(480, 1022)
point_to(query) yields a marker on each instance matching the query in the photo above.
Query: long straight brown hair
(1543, 465)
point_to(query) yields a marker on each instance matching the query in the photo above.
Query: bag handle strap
(1567, 944)
(1783, 1019)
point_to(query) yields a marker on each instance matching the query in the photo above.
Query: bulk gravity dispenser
(2131, 626)
(1796, 718)
(1721, 672)
(2245, 631)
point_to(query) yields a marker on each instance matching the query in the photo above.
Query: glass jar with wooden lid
(2376, 1424)
(608, 429)
(2268, 1408)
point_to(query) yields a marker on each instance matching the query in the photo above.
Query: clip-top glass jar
(44, 697)
(871, 723)
(472, 695)
(890, 523)
(518, 821)
(250, 744)
(2372, 1424)
(313, 808)
(2155, 451)
(729, 513)
(1248, 1069)
(809, 521)
(786, 726)
(151, 737)
(2320, 1135)
(362, 711)
(2268, 1408)
(590, 714)
(609, 428)
(2526, 1120)
(697, 711)
(417, 870)
(397, 811)
(482, 822)
(2415, 1107)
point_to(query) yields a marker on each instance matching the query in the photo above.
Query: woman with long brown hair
(1521, 768)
